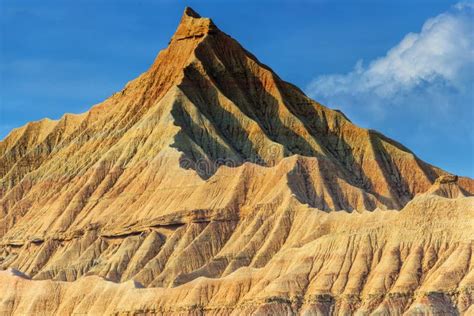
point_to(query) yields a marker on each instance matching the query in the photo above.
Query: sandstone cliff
(210, 185)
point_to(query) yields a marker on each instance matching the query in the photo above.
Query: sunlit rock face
(210, 186)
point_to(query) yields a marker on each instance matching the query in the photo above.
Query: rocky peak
(192, 25)
(447, 186)
(189, 12)
(209, 175)
(448, 178)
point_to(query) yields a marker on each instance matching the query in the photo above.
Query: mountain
(210, 185)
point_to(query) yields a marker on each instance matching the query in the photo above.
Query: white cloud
(436, 62)
(420, 93)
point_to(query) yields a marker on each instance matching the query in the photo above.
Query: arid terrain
(209, 185)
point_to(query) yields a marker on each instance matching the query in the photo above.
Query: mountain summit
(192, 26)
(220, 187)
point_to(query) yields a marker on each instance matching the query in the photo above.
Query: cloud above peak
(441, 55)
(421, 92)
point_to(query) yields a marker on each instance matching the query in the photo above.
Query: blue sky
(404, 68)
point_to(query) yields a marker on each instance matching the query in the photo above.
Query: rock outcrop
(210, 185)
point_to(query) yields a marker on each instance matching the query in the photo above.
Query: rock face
(210, 186)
